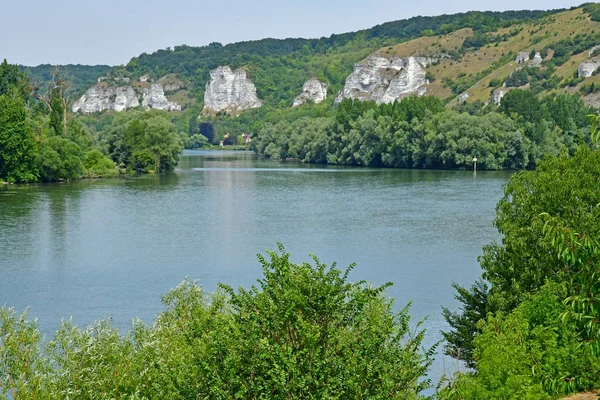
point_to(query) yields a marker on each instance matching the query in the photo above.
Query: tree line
(528, 329)
(418, 132)
(41, 141)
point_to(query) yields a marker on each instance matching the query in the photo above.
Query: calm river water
(110, 248)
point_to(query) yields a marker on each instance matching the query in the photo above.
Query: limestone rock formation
(102, 97)
(592, 100)
(537, 60)
(522, 57)
(587, 68)
(497, 95)
(593, 50)
(463, 97)
(154, 97)
(126, 98)
(314, 90)
(386, 80)
(230, 91)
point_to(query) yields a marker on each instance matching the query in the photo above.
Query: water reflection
(92, 249)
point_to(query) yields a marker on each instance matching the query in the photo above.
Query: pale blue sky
(112, 31)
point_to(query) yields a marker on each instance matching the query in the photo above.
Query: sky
(113, 31)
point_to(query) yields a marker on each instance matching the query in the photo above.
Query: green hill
(280, 67)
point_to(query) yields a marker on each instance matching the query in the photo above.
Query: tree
(304, 332)
(59, 159)
(144, 141)
(17, 145)
(207, 130)
(563, 187)
(523, 103)
(11, 79)
(55, 97)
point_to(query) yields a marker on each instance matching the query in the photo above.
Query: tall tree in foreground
(535, 333)
(17, 145)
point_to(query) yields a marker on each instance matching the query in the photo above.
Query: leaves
(303, 331)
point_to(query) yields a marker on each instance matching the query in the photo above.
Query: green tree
(525, 259)
(96, 164)
(11, 79)
(17, 145)
(59, 159)
(304, 331)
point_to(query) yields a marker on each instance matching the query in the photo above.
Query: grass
(534, 35)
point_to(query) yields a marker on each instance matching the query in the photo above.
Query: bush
(59, 159)
(98, 165)
(528, 354)
(303, 332)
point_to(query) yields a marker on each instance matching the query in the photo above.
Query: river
(109, 248)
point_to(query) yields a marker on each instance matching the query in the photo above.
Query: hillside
(279, 68)
(473, 58)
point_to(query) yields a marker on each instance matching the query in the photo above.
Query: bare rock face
(126, 98)
(463, 97)
(522, 57)
(386, 80)
(155, 98)
(537, 60)
(592, 100)
(230, 91)
(314, 90)
(100, 98)
(593, 50)
(497, 95)
(587, 68)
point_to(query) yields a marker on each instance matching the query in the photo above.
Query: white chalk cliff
(230, 91)
(587, 68)
(386, 80)
(155, 98)
(522, 57)
(100, 98)
(314, 90)
(498, 95)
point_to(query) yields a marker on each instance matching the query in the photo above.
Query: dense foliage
(533, 331)
(418, 133)
(280, 67)
(143, 141)
(40, 140)
(303, 332)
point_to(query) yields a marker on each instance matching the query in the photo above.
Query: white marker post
(474, 164)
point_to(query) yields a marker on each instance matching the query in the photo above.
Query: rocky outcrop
(154, 97)
(593, 50)
(313, 90)
(463, 97)
(386, 80)
(497, 95)
(592, 100)
(587, 68)
(522, 57)
(101, 97)
(537, 60)
(230, 91)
